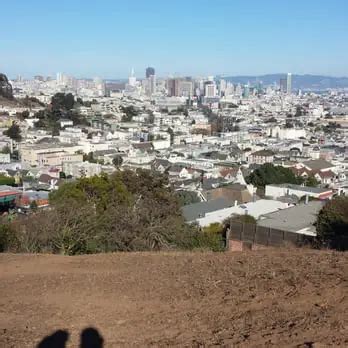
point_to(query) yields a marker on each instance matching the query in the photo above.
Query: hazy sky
(106, 38)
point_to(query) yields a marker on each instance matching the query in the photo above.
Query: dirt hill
(289, 298)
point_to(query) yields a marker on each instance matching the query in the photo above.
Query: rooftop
(302, 188)
(318, 164)
(295, 219)
(194, 211)
(255, 209)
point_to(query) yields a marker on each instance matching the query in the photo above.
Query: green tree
(125, 211)
(6, 149)
(270, 174)
(332, 224)
(14, 132)
(117, 161)
(171, 134)
(311, 181)
(63, 101)
(23, 115)
(245, 219)
(89, 158)
(187, 197)
(129, 112)
(33, 206)
(6, 180)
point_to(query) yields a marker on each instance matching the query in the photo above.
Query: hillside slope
(295, 298)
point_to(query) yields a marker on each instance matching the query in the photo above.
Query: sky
(106, 38)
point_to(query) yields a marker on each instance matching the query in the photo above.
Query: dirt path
(259, 299)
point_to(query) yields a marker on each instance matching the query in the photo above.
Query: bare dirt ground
(282, 298)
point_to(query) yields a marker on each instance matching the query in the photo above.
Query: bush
(207, 238)
(7, 236)
(126, 211)
(270, 174)
(332, 224)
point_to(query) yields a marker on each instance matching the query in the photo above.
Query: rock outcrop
(5, 87)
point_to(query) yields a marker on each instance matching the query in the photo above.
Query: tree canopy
(117, 161)
(14, 132)
(6, 180)
(62, 107)
(63, 101)
(270, 174)
(187, 197)
(332, 224)
(125, 211)
(129, 112)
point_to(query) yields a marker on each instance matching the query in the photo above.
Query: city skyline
(87, 39)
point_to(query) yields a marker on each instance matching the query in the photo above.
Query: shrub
(332, 224)
(125, 211)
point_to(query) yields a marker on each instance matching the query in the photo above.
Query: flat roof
(294, 219)
(302, 188)
(197, 210)
(255, 209)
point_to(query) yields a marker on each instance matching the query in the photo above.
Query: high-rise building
(238, 90)
(152, 84)
(283, 85)
(229, 89)
(132, 80)
(210, 89)
(149, 71)
(180, 87)
(59, 78)
(222, 87)
(185, 88)
(289, 83)
(246, 92)
(171, 87)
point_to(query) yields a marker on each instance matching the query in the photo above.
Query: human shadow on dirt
(89, 338)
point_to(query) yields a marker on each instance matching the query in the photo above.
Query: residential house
(235, 193)
(261, 157)
(281, 190)
(299, 218)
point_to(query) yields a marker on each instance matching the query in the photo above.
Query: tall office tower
(210, 90)
(229, 89)
(283, 85)
(59, 78)
(185, 88)
(150, 71)
(132, 80)
(223, 86)
(180, 87)
(246, 92)
(152, 84)
(171, 87)
(289, 83)
(238, 90)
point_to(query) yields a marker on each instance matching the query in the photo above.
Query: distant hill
(312, 82)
